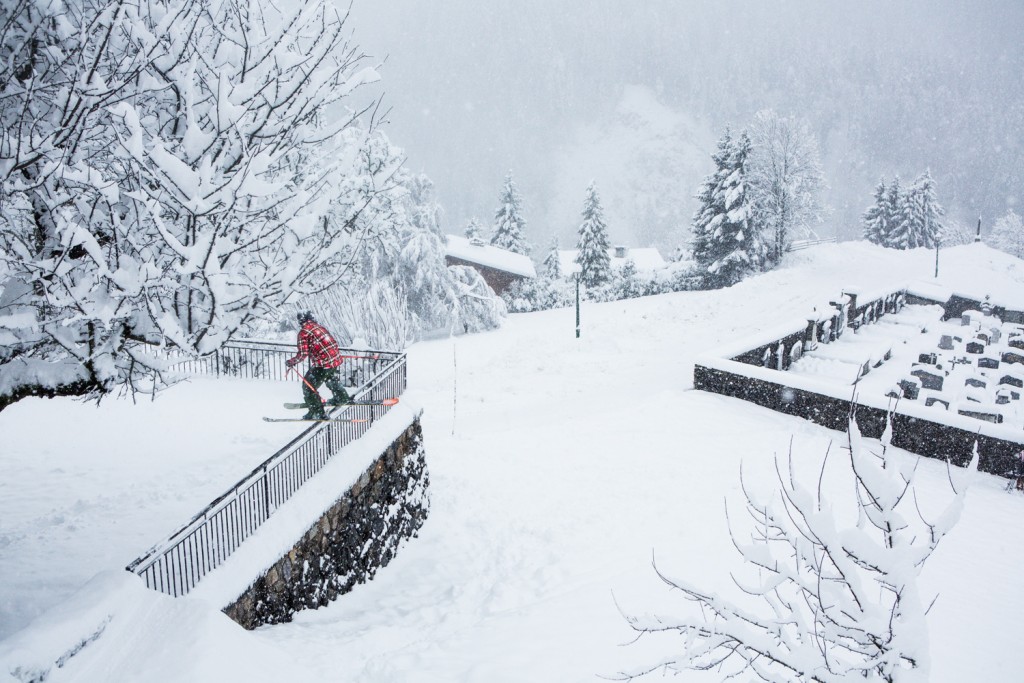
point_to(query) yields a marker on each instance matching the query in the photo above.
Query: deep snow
(559, 467)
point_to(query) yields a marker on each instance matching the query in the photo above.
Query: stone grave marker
(1013, 357)
(929, 378)
(988, 363)
(946, 342)
(935, 400)
(927, 358)
(1012, 381)
(911, 389)
(975, 347)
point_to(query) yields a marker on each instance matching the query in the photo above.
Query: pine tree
(726, 243)
(552, 266)
(923, 213)
(592, 257)
(509, 223)
(899, 230)
(876, 218)
(474, 230)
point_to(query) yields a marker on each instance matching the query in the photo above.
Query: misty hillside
(539, 87)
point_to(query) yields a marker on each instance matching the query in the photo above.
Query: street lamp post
(576, 277)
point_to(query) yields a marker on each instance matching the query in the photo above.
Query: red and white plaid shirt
(317, 343)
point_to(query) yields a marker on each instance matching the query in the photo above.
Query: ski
(382, 402)
(326, 419)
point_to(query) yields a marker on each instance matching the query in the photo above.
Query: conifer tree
(509, 223)
(923, 213)
(592, 257)
(474, 230)
(552, 266)
(899, 230)
(876, 219)
(726, 241)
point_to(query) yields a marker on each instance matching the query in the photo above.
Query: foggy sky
(478, 87)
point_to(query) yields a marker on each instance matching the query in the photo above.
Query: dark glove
(291, 362)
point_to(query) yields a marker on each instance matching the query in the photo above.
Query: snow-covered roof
(484, 254)
(645, 258)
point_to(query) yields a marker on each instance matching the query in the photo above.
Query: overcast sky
(634, 95)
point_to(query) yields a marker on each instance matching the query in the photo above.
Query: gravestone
(946, 342)
(932, 400)
(1016, 342)
(929, 379)
(927, 358)
(1013, 357)
(975, 347)
(988, 363)
(911, 389)
(975, 382)
(1013, 381)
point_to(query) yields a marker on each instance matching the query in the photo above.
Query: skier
(316, 343)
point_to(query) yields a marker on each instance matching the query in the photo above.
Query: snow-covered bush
(835, 575)
(169, 172)
(1008, 234)
(403, 277)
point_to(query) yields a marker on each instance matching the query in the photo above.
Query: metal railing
(252, 359)
(175, 565)
(797, 245)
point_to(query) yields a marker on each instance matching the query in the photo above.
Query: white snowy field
(559, 467)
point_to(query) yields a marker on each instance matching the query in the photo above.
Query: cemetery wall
(752, 375)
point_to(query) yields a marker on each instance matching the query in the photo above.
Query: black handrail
(176, 564)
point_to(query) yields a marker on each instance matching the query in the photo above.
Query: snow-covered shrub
(477, 307)
(402, 280)
(835, 574)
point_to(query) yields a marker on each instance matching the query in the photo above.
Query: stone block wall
(924, 437)
(358, 535)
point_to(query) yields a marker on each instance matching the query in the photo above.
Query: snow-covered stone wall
(750, 371)
(357, 535)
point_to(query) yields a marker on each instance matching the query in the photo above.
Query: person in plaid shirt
(317, 344)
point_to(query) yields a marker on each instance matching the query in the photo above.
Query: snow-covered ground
(559, 468)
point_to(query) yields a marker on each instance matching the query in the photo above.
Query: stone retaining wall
(924, 437)
(359, 534)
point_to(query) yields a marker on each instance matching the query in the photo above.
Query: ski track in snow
(560, 469)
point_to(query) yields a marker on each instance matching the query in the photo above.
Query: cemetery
(971, 366)
(946, 376)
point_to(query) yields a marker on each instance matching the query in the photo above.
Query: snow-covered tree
(551, 267)
(905, 219)
(407, 265)
(876, 218)
(592, 243)
(509, 224)
(786, 180)
(836, 576)
(726, 242)
(169, 171)
(923, 213)
(1008, 234)
(899, 231)
(474, 229)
